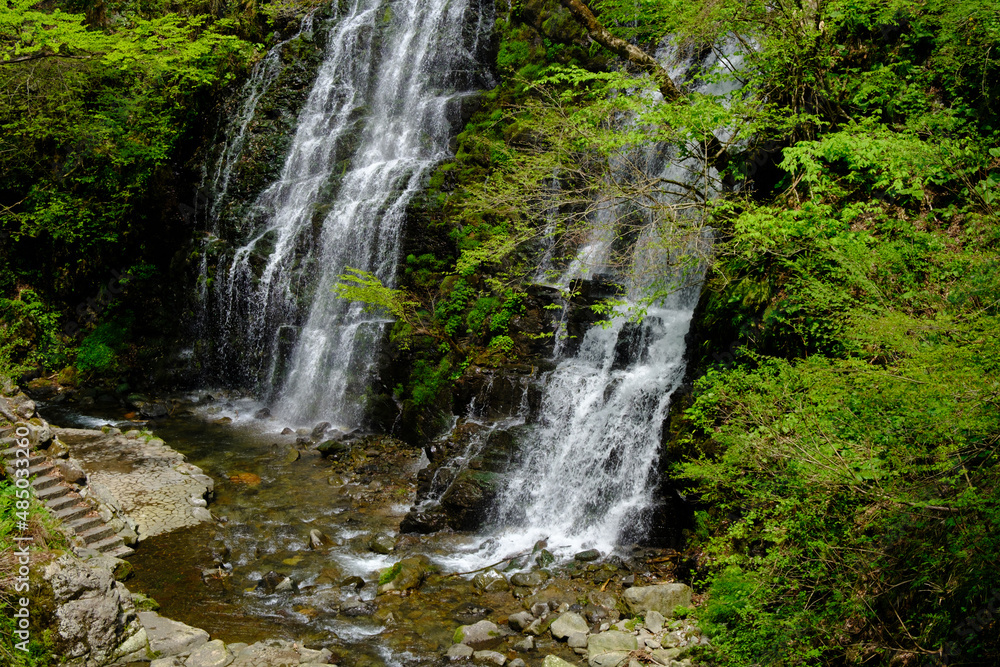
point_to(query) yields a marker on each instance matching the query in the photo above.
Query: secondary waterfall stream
(379, 116)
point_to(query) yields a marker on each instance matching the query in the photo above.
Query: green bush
(100, 351)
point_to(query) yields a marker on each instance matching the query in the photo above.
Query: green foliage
(93, 117)
(428, 380)
(848, 447)
(30, 334)
(100, 351)
(358, 285)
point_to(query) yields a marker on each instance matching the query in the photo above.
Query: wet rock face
(423, 523)
(95, 619)
(501, 393)
(466, 503)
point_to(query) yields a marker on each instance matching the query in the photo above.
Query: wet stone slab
(140, 480)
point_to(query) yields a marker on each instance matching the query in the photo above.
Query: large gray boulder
(555, 661)
(481, 635)
(279, 652)
(610, 649)
(96, 622)
(662, 598)
(568, 624)
(210, 654)
(168, 637)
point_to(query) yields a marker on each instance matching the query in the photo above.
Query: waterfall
(588, 474)
(378, 117)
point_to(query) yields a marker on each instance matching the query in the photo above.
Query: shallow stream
(269, 494)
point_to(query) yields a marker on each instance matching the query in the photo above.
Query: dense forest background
(841, 429)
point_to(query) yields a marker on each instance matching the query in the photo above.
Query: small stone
(404, 575)
(490, 580)
(71, 471)
(654, 621)
(459, 652)
(263, 413)
(539, 609)
(588, 555)
(662, 598)
(528, 579)
(210, 654)
(144, 603)
(489, 658)
(382, 543)
(168, 637)
(516, 662)
(248, 478)
(172, 661)
(201, 514)
(555, 661)
(477, 635)
(269, 582)
(567, 624)
(520, 621)
(577, 640)
(544, 558)
(525, 645)
(610, 649)
(539, 626)
(665, 656)
(318, 541)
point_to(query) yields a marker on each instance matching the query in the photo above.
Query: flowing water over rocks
(306, 549)
(379, 116)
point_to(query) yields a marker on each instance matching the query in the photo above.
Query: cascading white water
(376, 121)
(590, 466)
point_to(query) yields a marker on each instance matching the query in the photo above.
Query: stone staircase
(63, 502)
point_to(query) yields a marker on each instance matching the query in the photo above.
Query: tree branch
(39, 56)
(717, 155)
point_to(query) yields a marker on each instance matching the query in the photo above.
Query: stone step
(84, 524)
(44, 482)
(121, 552)
(51, 493)
(40, 469)
(62, 502)
(34, 459)
(71, 512)
(96, 534)
(11, 453)
(107, 544)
